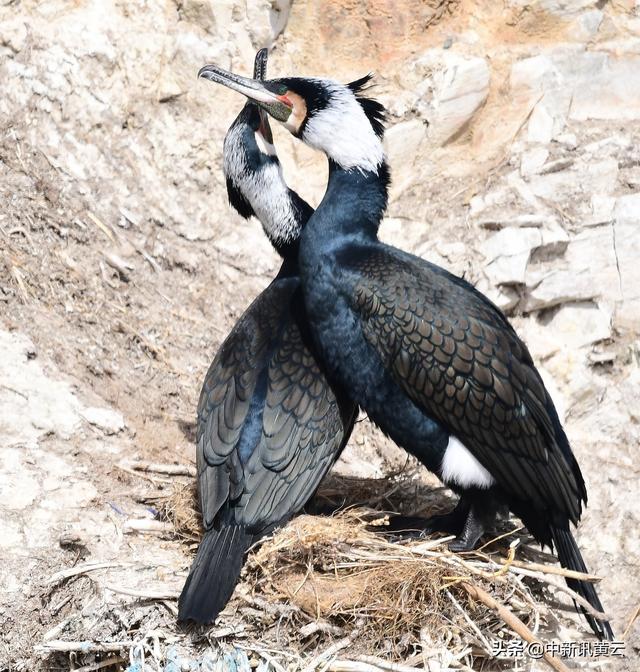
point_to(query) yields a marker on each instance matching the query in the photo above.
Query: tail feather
(214, 574)
(571, 558)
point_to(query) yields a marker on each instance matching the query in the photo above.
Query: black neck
(287, 250)
(353, 204)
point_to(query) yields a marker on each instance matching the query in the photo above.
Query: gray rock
(581, 324)
(593, 177)
(602, 208)
(106, 419)
(533, 160)
(508, 252)
(608, 89)
(551, 288)
(627, 210)
(592, 252)
(586, 26)
(569, 140)
(504, 296)
(541, 125)
(458, 88)
(31, 404)
(554, 238)
(403, 143)
(562, 8)
(626, 239)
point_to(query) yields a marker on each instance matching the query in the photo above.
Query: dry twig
(84, 569)
(512, 621)
(156, 468)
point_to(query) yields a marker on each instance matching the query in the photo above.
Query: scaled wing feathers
(456, 356)
(269, 425)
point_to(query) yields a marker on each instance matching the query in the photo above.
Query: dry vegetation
(123, 266)
(330, 583)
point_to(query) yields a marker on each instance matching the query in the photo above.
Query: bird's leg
(449, 523)
(480, 518)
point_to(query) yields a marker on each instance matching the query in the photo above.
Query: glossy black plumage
(429, 341)
(456, 356)
(270, 424)
(417, 334)
(432, 361)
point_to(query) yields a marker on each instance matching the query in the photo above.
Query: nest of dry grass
(337, 593)
(400, 601)
(181, 509)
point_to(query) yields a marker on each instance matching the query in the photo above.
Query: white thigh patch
(461, 467)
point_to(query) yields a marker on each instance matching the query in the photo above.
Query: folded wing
(456, 356)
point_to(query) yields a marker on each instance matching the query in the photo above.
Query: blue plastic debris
(214, 660)
(230, 662)
(116, 508)
(209, 662)
(242, 661)
(173, 663)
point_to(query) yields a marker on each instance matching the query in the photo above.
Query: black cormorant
(431, 360)
(270, 425)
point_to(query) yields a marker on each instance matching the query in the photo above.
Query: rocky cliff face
(513, 138)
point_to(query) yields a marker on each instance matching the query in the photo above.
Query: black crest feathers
(372, 108)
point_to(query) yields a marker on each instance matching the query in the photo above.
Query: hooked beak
(279, 107)
(260, 64)
(260, 74)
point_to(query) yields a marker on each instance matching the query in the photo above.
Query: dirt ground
(122, 269)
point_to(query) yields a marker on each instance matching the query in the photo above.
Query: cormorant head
(338, 119)
(255, 184)
(248, 148)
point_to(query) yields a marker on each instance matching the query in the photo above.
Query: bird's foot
(478, 520)
(419, 528)
(472, 530)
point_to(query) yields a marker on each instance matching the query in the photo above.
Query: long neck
(352, 206)
(257, 187)
(301, 211)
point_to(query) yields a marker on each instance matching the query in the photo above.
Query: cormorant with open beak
(270, 424)
(431, 360)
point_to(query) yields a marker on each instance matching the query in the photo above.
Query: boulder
(626, 239)
(106, 419)
(456, 88)
(580, 324)
(553, 287)
(507, 253)
(533, 160)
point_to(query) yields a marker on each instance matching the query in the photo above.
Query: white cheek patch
(461, 467)
(343, 132)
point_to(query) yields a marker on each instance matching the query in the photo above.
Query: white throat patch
(343, 132)
(461, 467)
(264, 146)
(265, 189)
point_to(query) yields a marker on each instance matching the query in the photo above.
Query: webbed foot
(419, 528)
(481, 515)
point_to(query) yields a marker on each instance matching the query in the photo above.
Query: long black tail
(214, 574)
(571, 558)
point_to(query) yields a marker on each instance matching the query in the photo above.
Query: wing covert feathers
(269, 423)
(456, 356)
